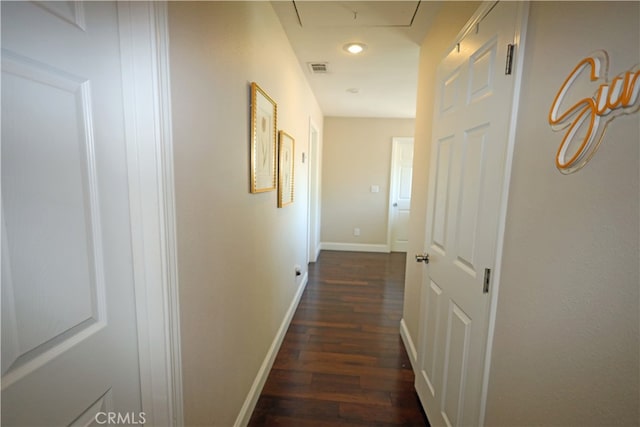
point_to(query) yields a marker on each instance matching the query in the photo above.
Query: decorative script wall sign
(586, 120)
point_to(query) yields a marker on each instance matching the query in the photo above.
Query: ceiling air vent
(318, 67)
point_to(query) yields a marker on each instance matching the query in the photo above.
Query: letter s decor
(612, 99)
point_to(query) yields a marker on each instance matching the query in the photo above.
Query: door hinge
(487, 280)
(509, 65)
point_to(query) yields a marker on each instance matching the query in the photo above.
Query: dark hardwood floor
(342, 362)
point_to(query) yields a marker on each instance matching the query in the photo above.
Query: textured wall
(356, 155)
(236, 250)
(567, 328)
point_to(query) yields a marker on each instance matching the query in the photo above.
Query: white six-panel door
(400, 193)
(473, 102)
(69, 345)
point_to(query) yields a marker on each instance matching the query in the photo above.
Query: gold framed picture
(286, 152)
(264, 115)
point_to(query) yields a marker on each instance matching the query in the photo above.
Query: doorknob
(395, 205)
(424, 257)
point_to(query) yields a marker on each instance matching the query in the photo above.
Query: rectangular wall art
(263, 140)
(286, 153)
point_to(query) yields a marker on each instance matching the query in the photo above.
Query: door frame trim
(393, 182)
(144, 43)
(313, 178)
(518, 68)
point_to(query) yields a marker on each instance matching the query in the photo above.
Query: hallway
(342, 362)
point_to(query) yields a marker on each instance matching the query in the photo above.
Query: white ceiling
(385, 75)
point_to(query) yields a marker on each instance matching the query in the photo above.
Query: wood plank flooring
(342, 362)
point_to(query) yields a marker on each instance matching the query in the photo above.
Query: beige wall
(567, 329)
(566, 343)
(236, 250)
(357, 155)
(448, 23)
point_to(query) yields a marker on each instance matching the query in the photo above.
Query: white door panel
(455, 363)
(69, 345)
(471, 123)
(431, 308)
(439, 204)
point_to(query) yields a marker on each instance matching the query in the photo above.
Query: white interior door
(400, 193)
(472, 113)
(69, 346)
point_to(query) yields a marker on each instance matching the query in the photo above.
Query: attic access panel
(319, 14)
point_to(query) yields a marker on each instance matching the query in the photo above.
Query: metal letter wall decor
(586, 120)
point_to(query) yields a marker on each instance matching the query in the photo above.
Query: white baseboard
(355, 247)
(408, 344)
(263, 373)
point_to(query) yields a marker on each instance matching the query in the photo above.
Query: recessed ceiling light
(354, 48)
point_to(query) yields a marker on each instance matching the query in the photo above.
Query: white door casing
(400, 193)
(313, 203)
(144, 44)
(73, 192)
(474, 116)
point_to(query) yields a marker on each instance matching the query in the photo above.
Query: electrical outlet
(356, 231)
(297, 269)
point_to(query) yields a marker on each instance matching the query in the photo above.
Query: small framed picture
(286, 152)
(263, 140)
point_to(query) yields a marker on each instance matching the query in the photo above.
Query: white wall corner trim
(409, 345)
(263, 373)
(145, 70)
(355, 247)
